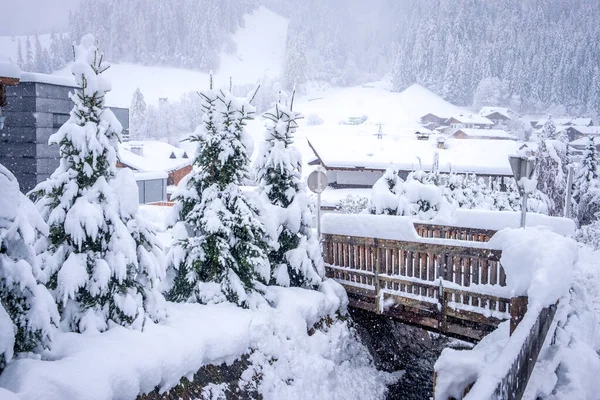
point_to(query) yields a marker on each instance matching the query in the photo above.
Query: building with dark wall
(36, 108)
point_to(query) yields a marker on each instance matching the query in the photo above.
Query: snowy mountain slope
(258, 54)
(376, 102)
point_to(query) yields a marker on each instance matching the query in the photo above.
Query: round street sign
(317, 181)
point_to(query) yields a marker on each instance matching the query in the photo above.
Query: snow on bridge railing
(452, 286)
(539, 264)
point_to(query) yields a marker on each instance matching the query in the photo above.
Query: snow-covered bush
(392, 196)
(352, 204)
(296, 260)
(28, 314)
(101, 263)
(219, 252)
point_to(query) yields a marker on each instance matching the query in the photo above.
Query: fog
(20, 17)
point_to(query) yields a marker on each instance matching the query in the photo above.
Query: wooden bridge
(457, 290)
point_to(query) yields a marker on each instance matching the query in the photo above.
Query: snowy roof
(583, 141)
(156, 156)
(464, 156)
(486, 133)
(507, 112)
(147, 176)
(49, 79)
(365, 129)
(587, 130)
(581, 121)
(8, 69)
(471, 119)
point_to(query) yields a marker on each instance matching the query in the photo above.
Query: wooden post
(518, 308)
(377, 265)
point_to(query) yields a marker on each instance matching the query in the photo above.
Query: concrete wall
(35, 111)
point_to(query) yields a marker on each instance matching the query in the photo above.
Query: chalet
(568, 121)
(34, 108)
(471, 121)
(577, 131)
(360, 162)
(154, 157)
(498, 115)
(433, 121)
(485, 134)
(581, 143)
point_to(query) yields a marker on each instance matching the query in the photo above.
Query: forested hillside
(187, 33)
(531, 55)
(543, 52)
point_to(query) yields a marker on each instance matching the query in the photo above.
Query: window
(59, 119)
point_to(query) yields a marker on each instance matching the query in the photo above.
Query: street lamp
(523, 168)
(317, 183)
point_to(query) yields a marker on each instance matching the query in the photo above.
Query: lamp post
(522, 168)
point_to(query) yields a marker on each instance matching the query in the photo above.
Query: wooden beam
(9, 81)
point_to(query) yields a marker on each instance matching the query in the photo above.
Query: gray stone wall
(35, 111)
(30, 120)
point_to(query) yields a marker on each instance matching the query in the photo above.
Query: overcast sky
(20, 17)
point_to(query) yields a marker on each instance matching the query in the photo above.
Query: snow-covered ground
(121, 363)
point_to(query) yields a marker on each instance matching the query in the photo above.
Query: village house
(567, 121)
(498, 115)
(158, 161)
(577, 132)
(433, 121)
(579, 145)
(471, 121)
(353, 166)
(483, 134)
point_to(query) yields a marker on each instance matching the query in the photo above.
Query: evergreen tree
(587, 171)
(20, 61)
(219, 253)
(296, 64)
(296, 260)
(39, 62)
(29, 63)
(101, 263)
(548, 130)
(137, 116)
(551, 180)
(56, 58)
(28, 313)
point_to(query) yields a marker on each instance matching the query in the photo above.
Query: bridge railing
(453, 232)
(457, 290)
(507, 376)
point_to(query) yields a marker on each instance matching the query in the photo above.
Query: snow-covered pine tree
(297, 260)
(548, 130)
(219, 253)
(28, 314)
(28, 64)
(137, 116)
(102, 264)
(19, 53)
(587, 171)
(550, 175)
(55, 53)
